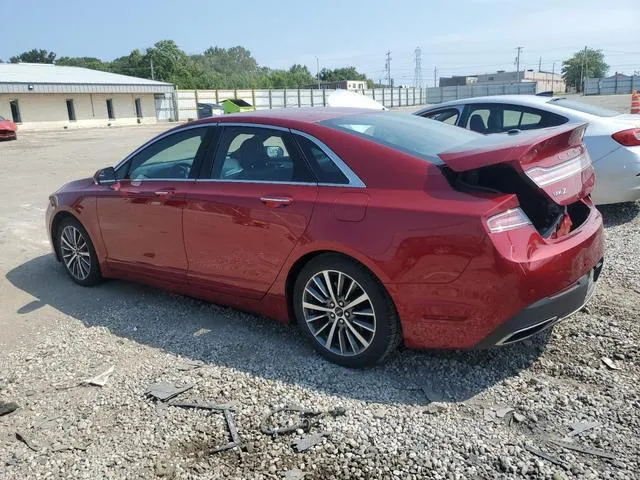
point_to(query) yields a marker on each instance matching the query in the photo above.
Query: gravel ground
(423, 415)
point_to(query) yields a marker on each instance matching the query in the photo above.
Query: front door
(140, 215)
(246, 214)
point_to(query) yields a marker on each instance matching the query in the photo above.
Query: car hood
(8, 124)
(76, 185)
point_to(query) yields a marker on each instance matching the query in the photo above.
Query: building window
(110, 112)
(15, 111)
(138, 105)
(71, 111)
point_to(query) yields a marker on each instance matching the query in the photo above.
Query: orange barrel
(635, 102)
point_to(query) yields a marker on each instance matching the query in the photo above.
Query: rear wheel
(345, 311)
(77, 253)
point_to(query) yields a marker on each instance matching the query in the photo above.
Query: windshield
(418, 136)
(585, 108)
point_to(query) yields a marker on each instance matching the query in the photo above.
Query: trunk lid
(555, 160)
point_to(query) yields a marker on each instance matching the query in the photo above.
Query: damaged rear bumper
(544, 313)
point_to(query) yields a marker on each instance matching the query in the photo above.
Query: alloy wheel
(75, 252)
(339, 313)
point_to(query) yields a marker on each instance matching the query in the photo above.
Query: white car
(613, 139)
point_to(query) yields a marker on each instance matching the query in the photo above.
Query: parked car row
(367, 228)
(612, 139)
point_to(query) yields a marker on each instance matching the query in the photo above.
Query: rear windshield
(421, 137)
(584, 107)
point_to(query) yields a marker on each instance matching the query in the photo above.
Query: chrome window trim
(253, 125)
(354, 180)
(160, 137)
(272, 182)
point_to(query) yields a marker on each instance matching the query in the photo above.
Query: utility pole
(153, 77)
(387, 67)
(417, 79)
(435, 76)
(540, 64)
(318, 71)
(518, 64)
(582, 67)
(553, 77)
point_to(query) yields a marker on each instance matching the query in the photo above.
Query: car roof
(515, 99)
(286, 117)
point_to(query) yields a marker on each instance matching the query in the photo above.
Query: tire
(363, 335)
(77, 253)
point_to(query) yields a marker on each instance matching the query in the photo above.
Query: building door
(15, 111)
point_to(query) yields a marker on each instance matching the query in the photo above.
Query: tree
(34, 56)
(340, 74)
(85, 62)
(585, 63)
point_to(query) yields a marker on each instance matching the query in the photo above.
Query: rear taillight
(628, 138)
(543, 176)
(508, 220)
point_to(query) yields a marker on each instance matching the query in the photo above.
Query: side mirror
(105, 176)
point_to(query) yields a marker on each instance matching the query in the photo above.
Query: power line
(417, 79)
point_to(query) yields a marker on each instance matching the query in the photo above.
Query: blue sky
(457, 37)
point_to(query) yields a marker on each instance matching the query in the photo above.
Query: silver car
(613, 140)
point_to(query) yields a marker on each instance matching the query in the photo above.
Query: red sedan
(8, 129)
(366, 228)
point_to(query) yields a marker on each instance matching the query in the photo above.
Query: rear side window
(449, 116)
(499, 118)
(257, 154)
(325, 169)
(407, 133)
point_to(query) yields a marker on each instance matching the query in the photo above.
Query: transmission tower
(387, 67)
(417, 79)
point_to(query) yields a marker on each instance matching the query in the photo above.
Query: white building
(46, 96)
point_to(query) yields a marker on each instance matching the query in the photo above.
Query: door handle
(163, 193)
(276, 202)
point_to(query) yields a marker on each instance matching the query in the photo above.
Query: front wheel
(77, 253)
(345, 311)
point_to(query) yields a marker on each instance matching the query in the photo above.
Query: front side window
(171, 157)
(259, 154)
(407, 133)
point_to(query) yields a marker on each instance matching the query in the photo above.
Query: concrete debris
(435, 408)
(305, 443)
(582, 449)
(307, 418)
(204, 405)
(547, 457)
(201, 331)
(233, 433)
(379, 413)
(518, 417)
(609, 363)
(164, 391)
(294, 474)
(580, 427)
(501, 412)
(189, 365)
(99, 380)
(24, 439)
(433, 394)
(8, 407)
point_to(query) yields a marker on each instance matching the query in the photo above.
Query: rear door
(250, 207)
(140, 215)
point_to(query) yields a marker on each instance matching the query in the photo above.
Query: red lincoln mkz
(367, 228)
